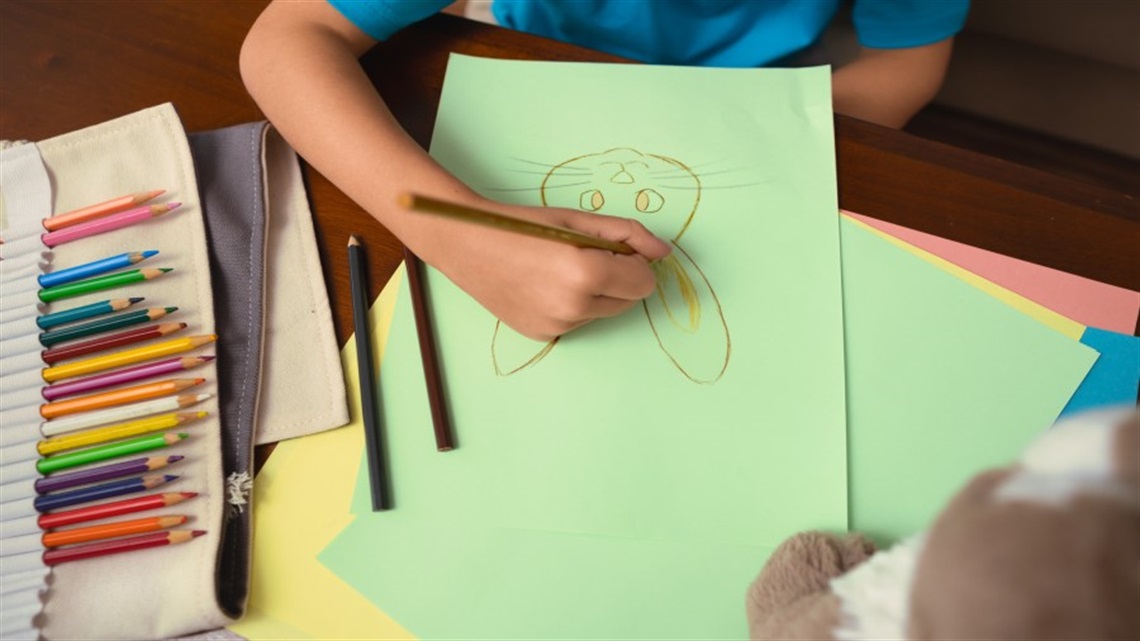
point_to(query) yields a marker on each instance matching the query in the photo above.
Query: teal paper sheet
(630, 483)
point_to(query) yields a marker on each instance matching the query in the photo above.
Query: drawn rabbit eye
(649, 201)
(591, 200)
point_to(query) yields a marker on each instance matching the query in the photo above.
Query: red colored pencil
(111, 341)
(118, 546)
(116, 508)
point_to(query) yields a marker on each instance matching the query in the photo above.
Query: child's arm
(299, 62)
(889, 86)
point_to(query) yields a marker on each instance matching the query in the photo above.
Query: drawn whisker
(535, 188)
(557, 172)
(690, 167)
(704, 187)
(532, 162)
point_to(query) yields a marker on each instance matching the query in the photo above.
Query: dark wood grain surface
(68, 64)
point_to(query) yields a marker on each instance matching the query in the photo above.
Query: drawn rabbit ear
(687, 320)
(511, 352)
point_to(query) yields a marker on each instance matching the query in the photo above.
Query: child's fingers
(624, 230)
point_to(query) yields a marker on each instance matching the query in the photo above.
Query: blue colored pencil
(94, 268)
(48, 502)
(74, 314)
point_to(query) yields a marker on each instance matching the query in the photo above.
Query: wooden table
(66, 65)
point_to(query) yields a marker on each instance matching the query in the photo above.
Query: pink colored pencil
(106, 224)
(99, 210)
(119, 377)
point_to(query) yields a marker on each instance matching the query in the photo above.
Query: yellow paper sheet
(1044, 315)
(305, 489)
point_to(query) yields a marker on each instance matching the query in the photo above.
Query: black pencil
(443, 440)
(358, 281)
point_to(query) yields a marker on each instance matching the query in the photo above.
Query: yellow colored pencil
(126, 357)
(116, 432)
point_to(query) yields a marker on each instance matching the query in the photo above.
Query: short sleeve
(382, 18)
(895, 24)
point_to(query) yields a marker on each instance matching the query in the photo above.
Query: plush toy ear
(791, 599)
(1047, 549)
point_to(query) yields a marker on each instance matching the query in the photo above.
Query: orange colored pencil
(111, 530)
(116, 546)
(117, 397)
(91, 212)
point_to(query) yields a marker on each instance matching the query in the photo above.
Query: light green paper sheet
(620, 495)
(943, 381)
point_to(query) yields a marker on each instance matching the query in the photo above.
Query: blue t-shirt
(717, 33)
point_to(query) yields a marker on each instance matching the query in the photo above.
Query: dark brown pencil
(439, 419)
(136, 335)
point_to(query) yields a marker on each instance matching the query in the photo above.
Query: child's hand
(543, 289)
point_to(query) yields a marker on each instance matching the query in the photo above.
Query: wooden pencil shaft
(109, 341)
(132, 374)
(358, 280)
(96, 418)
(105, 224)
(47, 321)
(115, 398)
(99, 283)
(98, 210)
(109, 433)
(110, 530)
(103, 325)
(107, 472)
(107, 452)
(118, 546)
(93, 268)
(111, 489)
(428, 355)
(125, 357)
(114, 508)
(498, 221)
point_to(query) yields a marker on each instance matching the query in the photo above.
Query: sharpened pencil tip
(175, 458)
(197, 533)
(165, 269)
(169, 310)
(150, 252)
(169, 477)
(188, 495)
(136, 299)
(353, 241)
(406, 200)
(207, 359)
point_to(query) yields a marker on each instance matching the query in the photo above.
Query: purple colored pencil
(103, 473)
(119, 377)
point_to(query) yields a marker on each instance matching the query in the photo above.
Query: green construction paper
(487, 583)
(943, 381)
(605, 454)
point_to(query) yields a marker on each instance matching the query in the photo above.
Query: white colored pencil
(116, 414)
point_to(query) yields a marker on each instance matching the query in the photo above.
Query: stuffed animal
(1048, 548)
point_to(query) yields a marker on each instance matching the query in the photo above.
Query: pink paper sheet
(1086, 301)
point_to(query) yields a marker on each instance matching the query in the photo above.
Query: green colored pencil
(119, 321)
(109, 451)
(100, 283)
(62, 317)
